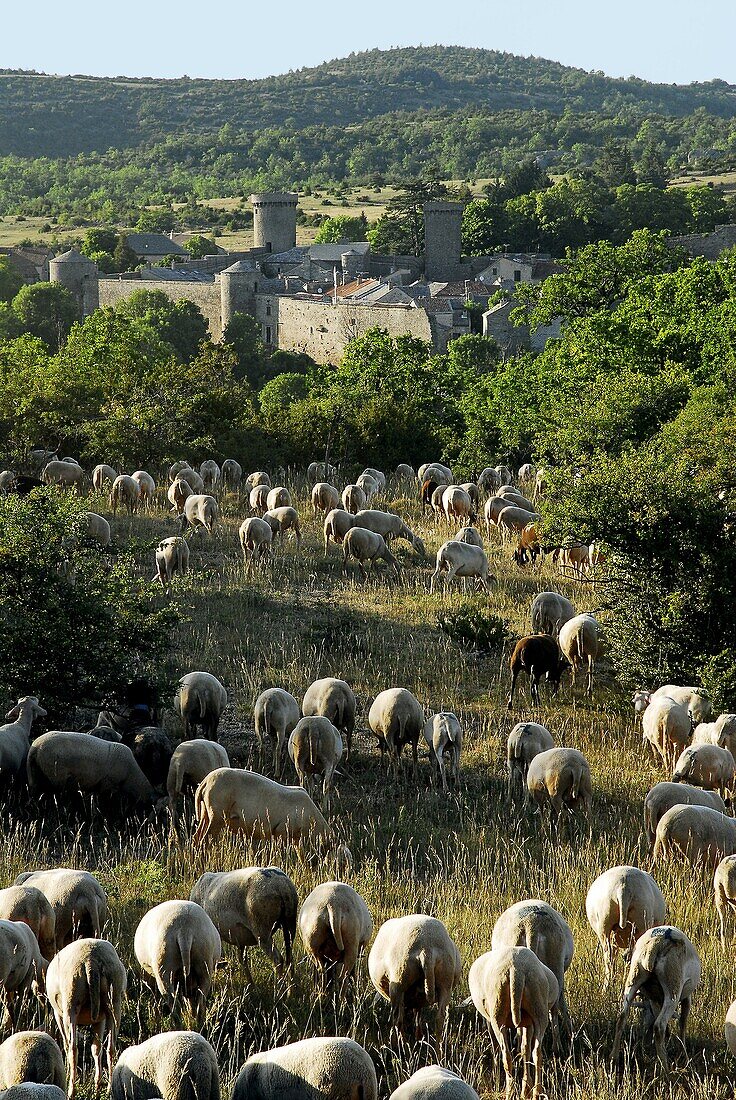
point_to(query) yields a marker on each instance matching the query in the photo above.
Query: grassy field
(462, 858)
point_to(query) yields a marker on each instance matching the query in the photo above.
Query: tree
(615, 165)
(341, 228)
(243, 334)
(651, 166)
(46, 310)
(401, 229)
(10, 280)
(485, 227)
(707, 207)
(124, 258)
(198, 246)
(524, 178)
(181, 323)
(281, 392)
(155, 221)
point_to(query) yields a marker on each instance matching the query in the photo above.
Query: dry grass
(462, 858)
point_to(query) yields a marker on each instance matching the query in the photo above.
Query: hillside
(56, 116)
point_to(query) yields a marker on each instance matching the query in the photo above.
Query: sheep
(176, 467)
(620, 906)
(505, 475)
(172, 558)
(200, 511)
(436, 499)
(320, 471)
(333, 699)
(192, 478)
(336, 926)
(513, 519)
(390, 526)
(513, 990)
(336, 526)
(457, 505)
(707, 766)
(404, 473)
(28, 904)
(153, 751)
(177, 494)
(63, 474)
(513, 496)
(527, 473)
(414, 964)
(178, 946)
(247, 907)
(31, 1056)
(125, 493)
(698, 833)
(666, 727)
(232, 474)
(263, 809)
(720, 732)
(528, 548)
(21, 965)
(693, 699)
(7, 481)
(378, 476)
(434, 1083)
(278, 498)
(663, 796)
(549, 612)
(96, 528)
(579, 641)
(15, 735)
(368, 485)
(283, 520)
(199, 701)
(61, 759)
(321, 1068)
(256, 538)
(38, 458)
(473, 492)
(560, 777)
(276, 713)
(396, 719)
(315, 748)
(444, 737)
(724, 887)
(260, 477)
(470, 535)
(325, 497)
(526, 740)
(77, 899)
(435, 471)
(537, 655)
(190, 763)
(146, 483)
(353, 498)
(211, 475)
(492, 510)
(574, 558)
(664, 972)
(541, 484)
(86, 984)
(535, 924)
(366, 546)
(460, 559)
(489, 481)
(178, 1065)
(258, 499)
(102, 474)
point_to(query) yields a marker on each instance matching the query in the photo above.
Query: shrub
(475, 628)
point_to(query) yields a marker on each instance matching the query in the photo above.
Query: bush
(718, 677)
(475, 628)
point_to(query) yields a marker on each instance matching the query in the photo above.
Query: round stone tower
(274, 220)
(238, 288)
(351, 263)
(80, 277)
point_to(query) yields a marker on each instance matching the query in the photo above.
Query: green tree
(341, 228)
(524, 178)
(124, 258)
(180, 323)
(243, 335)
(155, 221)
(485, 227)
(615, 165)
(10, 280)
(46, 310)
(651, 166)
(707, 208)
(280, 393)
(198, 246)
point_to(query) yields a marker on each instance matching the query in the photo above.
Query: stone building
(708, 245)
(79, 275)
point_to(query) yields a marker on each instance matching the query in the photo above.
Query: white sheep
(505, 475)
(211, 475)
(258, 499)
(15, 735)
(275, 714)
(580, 643)
(620, 905)
(77, 899)
(178, 947)
(693, 698)
(125, 493)
(333, 699)
(190, 763)
(721, 732)
(192, 477)
(513, 519)
(366, 546)
(513, 496)
(435, 471)
(353, 498)
(232, 474)
(560, 777)
(707, 766)
(703, 836)
(527, 472)
(178, 1065)
(666, 727)
(663, 796)
(549, 613)
(322, 1069)
(397, 719)
(256, 538)
(283, 520)
(526, 740)
(85, 985)
(96, 528)
(320, 471)
(488, 480)
(414, 964)
(336, 926)
(260, 477)
(177, 494)
(31, 1056)
(390, 526)
(457, 505)
(62, 759)
(492, 510)
(315, 748)
(724, 888)
(434, 1083)
(147, 485)
(404, 473)
(176, 467)
(21, 965)
(102, 474)
(247, 907)
(62, 473)
(459, 559)
(336, 526)
(470, 535)
(278, 497)
(30, 905)
(201, 511)
(325, 497)
(368, 485)
(664, 973)
(444, 736)
(378, 476)
(199, 701)
(172, 559)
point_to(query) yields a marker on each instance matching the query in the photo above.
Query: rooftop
(154, 244)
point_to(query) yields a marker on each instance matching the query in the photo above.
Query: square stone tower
(442, 240)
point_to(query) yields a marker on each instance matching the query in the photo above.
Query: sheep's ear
(12, 715)
(40, 712)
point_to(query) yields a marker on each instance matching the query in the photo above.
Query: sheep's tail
(576, 779)
(184, 940)
(313, 746)
(622, 901)
(427, 961)
(452, 733)
(93, 984)
(516, 994)
(335, 927)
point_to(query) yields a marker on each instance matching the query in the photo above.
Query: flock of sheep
(51, 921)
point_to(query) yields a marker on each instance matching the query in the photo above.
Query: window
(268, 309)
(268, 334)
(517, 275)
(269, 246)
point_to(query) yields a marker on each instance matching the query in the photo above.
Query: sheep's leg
(684, 1014)
(721, 918)
(660, 1029)
(514, 676)
(246, 965)
(628, 999)
(526, 1052)
(502, 1037)
(537, 1060)
(590, 676)
(71, 1054)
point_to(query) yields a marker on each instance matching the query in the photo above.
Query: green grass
(462, 858)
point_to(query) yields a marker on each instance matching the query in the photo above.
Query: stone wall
(708, 245)
(204, 295)
(322, 329)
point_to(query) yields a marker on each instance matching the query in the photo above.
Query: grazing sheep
(336, 926)
(366, 546)
(353, 498)
(319, 1069)
(199, 701)
(526, 740)
(560, 777)
(397, 719)
(444, 737)
(404, 473)
(436, 500)
(457, 506)
(541, 484)
(39, 457)
(178, 947)
(527, 473)
(275, 714)
(580, 643)
(505, 475)
(177, 494)
(31, 1056)
(694, 699)
(390, 526)
(528, 548)
(368, 485)
(325, 497)
(200, 511)
(85, 985)
(232, 474)
(77, 899)
(283, 520)
(539, 656)
(247, 907)
(260, 477)
(249, 803)
(434, 1083)
(146, 483)
(473, 492)
(664, 973)
(720, 732)
(460, 559)
(492, 510)
(102, 474)
(61, 473)
(29, 905)
(152, 750)
(378, 476)
(513, 496)
(513, 519)
(256, 538)
(190, 763)
(435, 471)
(620, 905)
(258, 499)
(7, 480)
(707, 766)
(192, 478)
(172, 558)
(320, 471)
(666, 727)
(315, 748)
(489, 481)
(703, 836)
(513, 990)
(15, 736)
(178, 1065)
(724, 887)
(333, 699)
(60, 760)
(663, 796)
(125, 493)
(211, 475)
(176, 467)
(96, 528)
(549, 613)
(470, 535)
(535, 924)
(21, 965)
(336, 526)
(279, 497)
(414, 964)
